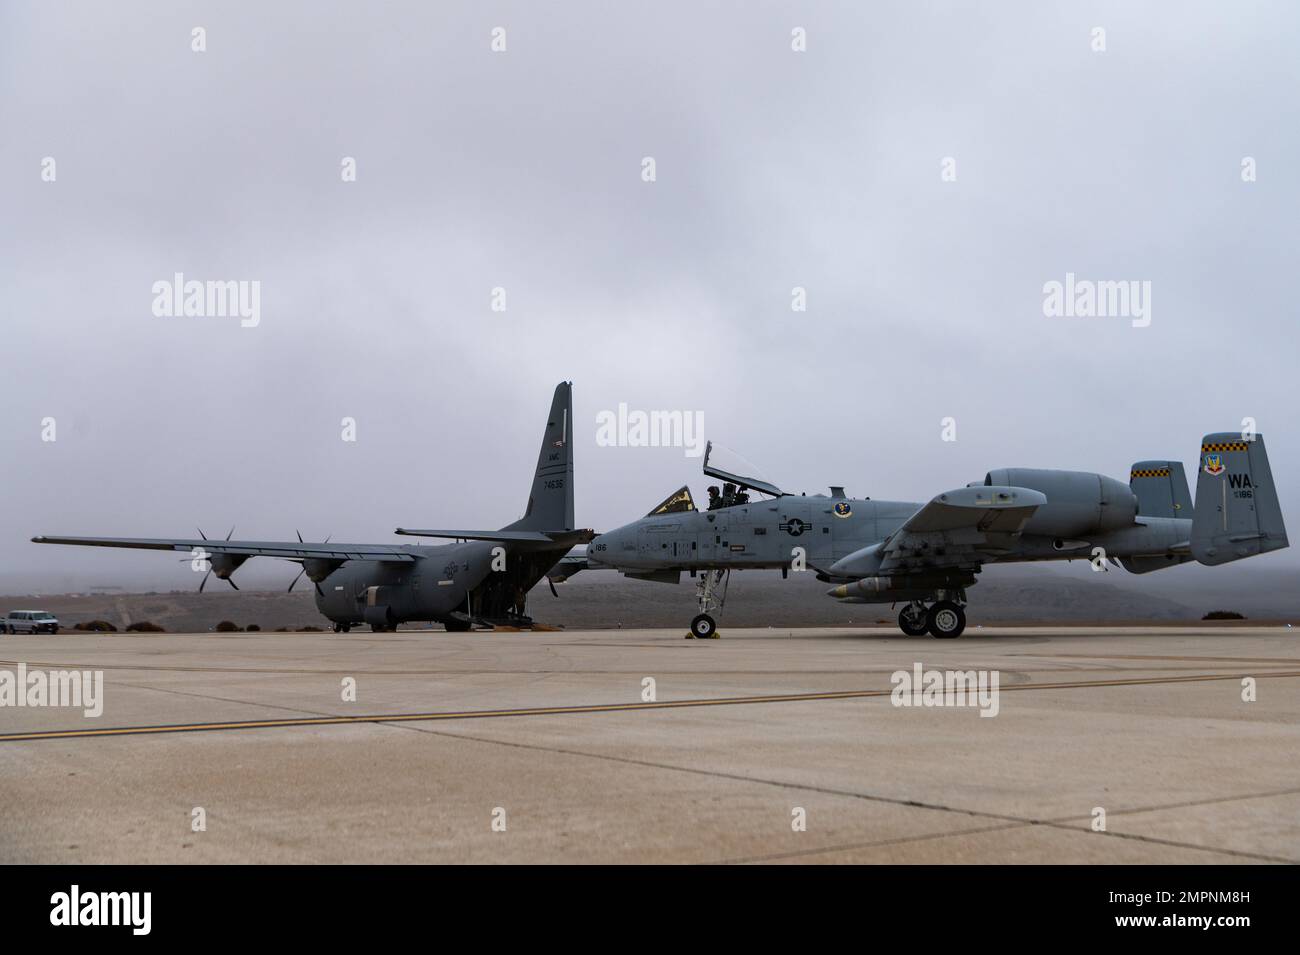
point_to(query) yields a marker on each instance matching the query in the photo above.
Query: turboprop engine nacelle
(223, 565)
(318, 568)
(1078, 502)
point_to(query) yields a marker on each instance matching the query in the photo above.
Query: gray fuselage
(443, 583)
(765, 534)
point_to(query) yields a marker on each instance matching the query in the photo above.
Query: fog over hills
(598, 600)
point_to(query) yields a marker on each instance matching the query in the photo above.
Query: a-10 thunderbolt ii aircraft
(926, 555)
(483, 578)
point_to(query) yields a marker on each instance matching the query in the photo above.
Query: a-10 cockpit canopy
(745, 483)
(675, 503)
(733, 491)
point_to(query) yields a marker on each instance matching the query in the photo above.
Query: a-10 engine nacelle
(1078, 502)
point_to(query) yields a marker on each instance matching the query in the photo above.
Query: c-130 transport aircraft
(926, 555)
(482, 579)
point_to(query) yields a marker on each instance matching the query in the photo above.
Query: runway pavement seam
(979, 831)
(1231, 661)
(226, 699)
(1238, 853)
(1205, 802)
(1061, 823)
(876, 844)
(580, 709)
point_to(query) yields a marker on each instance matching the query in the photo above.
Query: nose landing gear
(704, 627)
(711, 595)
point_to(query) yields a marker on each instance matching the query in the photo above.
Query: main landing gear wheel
(912, 620)
(342, 627)
(704, 627)
(946, 620)
(457, 626)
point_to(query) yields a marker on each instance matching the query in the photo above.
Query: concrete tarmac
(557, 739)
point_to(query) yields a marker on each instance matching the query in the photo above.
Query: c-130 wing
(290, 550)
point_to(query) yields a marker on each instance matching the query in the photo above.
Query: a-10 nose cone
(602, 545)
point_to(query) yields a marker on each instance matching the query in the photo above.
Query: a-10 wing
(289, 550)
(956, 530)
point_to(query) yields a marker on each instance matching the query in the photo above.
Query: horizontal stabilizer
(566, 567)
(550, 538)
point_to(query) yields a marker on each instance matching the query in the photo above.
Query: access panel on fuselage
(662, 542)
(855, 524)
(741, 536)
(713, 541)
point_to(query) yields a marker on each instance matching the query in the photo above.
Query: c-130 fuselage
(483, 578)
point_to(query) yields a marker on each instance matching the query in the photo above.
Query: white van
(30, 621)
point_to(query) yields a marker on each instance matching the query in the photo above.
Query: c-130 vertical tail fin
(548, 520)
(550, 504)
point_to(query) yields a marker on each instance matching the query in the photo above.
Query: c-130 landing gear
(944, 619)
(711, 595)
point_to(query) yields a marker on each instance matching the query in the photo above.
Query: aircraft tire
(457, 626)
(945, 620)
(704, 627)
(913, 627)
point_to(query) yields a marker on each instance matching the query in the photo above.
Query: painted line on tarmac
(577, 710)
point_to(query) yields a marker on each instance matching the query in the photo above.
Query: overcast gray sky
(523, 170)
